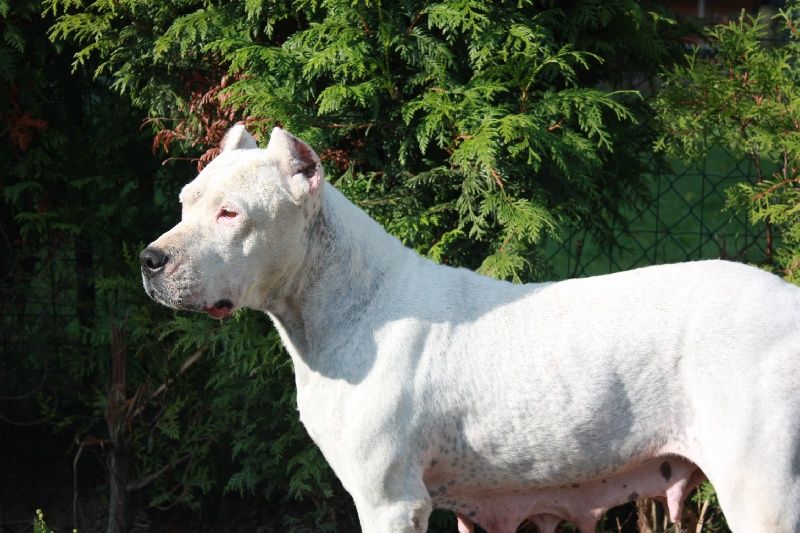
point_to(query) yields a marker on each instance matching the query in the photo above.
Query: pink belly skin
(667, 479)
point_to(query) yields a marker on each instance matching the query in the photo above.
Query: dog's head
(243, 227)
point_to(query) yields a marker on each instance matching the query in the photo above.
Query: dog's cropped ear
(238, 138)
(301, 167)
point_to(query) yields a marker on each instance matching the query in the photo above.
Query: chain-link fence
(41, 295)
(38, 325)
(685, 220)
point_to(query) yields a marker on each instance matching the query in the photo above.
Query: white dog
(428, 386)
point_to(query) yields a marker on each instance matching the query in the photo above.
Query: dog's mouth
(221, 309)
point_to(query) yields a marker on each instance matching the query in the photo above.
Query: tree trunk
(118, 457)
(117, 493)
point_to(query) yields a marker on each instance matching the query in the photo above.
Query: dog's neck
(348, 259)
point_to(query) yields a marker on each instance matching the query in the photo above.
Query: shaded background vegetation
(483, 134)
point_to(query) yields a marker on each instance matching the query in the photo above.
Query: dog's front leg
(399, 516)
(391, 500)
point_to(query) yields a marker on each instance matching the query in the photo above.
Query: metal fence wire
(38, 304)
(686, 220)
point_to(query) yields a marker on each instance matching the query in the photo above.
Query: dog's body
(427, 386)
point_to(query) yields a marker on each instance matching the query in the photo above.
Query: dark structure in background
(719, 11)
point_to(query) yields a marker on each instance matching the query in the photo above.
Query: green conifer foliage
(742, 93)
(471, 129)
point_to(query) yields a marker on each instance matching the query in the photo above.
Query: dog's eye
(227, 213)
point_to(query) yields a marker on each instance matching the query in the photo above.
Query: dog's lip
(220, 309)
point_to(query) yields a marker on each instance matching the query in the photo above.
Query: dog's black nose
(153, 259)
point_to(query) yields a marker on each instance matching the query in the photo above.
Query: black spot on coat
(666, 470)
